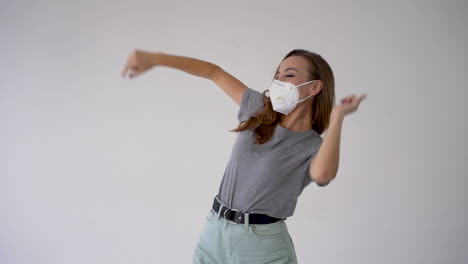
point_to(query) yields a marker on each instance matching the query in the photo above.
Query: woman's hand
(138, 62)
(348, 105)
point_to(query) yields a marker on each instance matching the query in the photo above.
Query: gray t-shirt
(267, 178)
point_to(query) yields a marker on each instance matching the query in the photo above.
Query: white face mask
(284, 96)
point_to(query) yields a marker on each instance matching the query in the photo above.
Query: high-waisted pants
(223, 242)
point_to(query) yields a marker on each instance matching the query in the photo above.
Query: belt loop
(219, 210)
(246, 220)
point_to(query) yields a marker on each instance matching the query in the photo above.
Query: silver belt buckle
(228, 219)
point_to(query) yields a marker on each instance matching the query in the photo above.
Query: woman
(277, 153)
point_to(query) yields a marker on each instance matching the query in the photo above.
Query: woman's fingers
(128, 66)
(364, 96)
(132, 72)
(138, 62)
(135, 73)
(353, 98)
(131, 65)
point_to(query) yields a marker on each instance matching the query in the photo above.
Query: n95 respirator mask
(284, 96)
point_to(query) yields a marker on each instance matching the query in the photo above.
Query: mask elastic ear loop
(300, 101)
(306, 83)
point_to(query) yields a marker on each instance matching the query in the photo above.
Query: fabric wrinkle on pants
(222, 242)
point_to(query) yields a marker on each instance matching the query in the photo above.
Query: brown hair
(264, 122)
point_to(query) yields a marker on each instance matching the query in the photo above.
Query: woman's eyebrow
(287, 70)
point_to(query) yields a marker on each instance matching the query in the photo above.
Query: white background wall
(100, 169)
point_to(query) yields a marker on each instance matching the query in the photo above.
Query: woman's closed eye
(286, 76)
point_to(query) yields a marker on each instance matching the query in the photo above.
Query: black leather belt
(236, 217)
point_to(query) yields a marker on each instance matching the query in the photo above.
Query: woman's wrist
(157, 58)
(336, 115)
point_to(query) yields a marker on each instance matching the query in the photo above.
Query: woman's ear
(317, 87)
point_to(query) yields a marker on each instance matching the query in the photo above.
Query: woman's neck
(298, 120)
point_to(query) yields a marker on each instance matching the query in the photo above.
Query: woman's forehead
(295, 62)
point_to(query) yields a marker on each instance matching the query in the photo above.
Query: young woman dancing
(277, 153)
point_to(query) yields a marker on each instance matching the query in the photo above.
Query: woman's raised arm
(141, 61)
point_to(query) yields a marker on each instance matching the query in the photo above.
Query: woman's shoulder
(252, 102)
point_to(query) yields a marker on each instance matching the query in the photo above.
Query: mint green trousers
(222, 242)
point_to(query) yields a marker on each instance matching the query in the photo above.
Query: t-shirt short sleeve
(252, 102)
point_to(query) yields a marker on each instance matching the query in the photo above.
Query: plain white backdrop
(95, 168)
